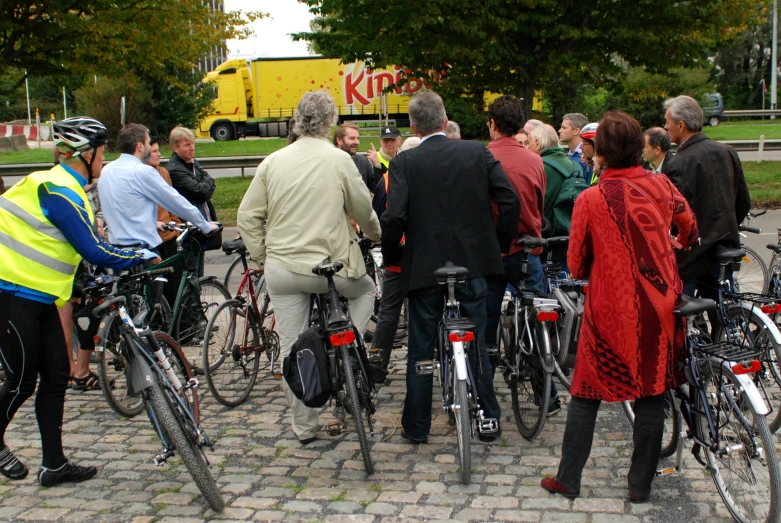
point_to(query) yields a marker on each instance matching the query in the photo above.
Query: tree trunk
(525, 91)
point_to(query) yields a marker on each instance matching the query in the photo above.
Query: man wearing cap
(390, 137)
(590, 171)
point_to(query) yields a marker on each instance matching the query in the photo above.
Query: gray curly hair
(316, 114)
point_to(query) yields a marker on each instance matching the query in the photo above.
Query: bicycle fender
(460, 356)
(139, 375)
(751, 390)
(767, 321)
(544, 347)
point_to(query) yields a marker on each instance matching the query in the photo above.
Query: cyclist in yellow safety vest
(46, 227)
(390, 138)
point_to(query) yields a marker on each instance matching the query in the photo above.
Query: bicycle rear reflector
(746, 368)
(342, 338)
(771, 309)
(461, 336)
(548, 316)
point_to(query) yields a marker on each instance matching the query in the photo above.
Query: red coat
(629, 336)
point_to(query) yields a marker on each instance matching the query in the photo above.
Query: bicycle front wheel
(463, 428)
(744, 464)
(197, 305)
(672, 423)
(182, 370)
(111, 370)
(231, 351)
(530, 389)
(354, 406)
(753, 275)
(186, 447)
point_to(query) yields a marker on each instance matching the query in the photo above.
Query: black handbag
(211, 242)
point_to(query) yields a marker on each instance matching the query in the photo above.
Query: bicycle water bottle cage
(451, 272)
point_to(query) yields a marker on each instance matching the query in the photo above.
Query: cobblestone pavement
(266, 475)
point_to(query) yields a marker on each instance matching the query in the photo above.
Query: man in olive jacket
(189, 178)
(709, 175)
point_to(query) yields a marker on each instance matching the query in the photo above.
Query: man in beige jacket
(294, 215)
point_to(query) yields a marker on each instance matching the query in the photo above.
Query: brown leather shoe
(412, 440)
(554, 487)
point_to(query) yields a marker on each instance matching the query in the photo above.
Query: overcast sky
(271, 36)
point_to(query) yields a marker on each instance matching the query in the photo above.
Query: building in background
(217, 55)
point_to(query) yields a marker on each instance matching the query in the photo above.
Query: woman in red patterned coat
(620, 240)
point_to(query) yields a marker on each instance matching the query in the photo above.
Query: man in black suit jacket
(440, 197)
(709, 175)
(656, 152)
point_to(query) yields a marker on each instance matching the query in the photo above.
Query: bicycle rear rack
(753, 297)
(730, 351)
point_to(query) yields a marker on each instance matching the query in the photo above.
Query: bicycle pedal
(161, 458)
(666, 472)
(334, 428)
(488, 426)
(191, 384)
(424, 368)
(375, 356)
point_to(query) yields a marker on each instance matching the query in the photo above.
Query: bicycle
(170, 412)
(459, 389)
(528, 359)
(353, 391)
(726, 418)
(237, 334)
(185, 324)
(111, 362)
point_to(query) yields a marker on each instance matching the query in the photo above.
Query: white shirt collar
(441, 133)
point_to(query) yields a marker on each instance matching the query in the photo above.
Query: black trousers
(647, 438)
(388, 316)
(425, 310)
(31, 344)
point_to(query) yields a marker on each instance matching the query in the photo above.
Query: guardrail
(751, 112)
(251, 162)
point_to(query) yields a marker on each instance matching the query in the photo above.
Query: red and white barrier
(29, 131)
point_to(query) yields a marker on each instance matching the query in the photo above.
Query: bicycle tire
(182, 369)
(187, 449)
(762, 481)
(354, 405)
(194, 312)
(530, 412)
(231, 370)
(672, 423)
(752, 331)
(565, 380)
(229, 273)
(753, 275)
(111, 371)
(463, 428)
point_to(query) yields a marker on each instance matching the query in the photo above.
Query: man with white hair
(709, 175)
(295, 214)
(440, 198)
(453, 130)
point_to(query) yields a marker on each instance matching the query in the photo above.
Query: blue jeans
(497, 284)
(425, 311)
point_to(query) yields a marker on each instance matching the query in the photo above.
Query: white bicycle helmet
(77, 135)
(589, 131)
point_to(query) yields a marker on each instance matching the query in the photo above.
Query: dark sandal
(89, 382)
(71, 382)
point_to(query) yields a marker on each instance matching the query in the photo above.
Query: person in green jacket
(544, 140)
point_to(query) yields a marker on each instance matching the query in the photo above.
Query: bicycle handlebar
(757, 214)
(754, 230)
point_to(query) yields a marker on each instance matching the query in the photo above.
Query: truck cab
(232, 103)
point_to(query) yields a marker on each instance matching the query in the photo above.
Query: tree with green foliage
(512, 46)
(57, 38)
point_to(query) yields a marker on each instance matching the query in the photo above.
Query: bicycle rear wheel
(232, 275)
(193, 316)
(231, 353)
(753, 275)
(111, 370)
(530, 390)
(745, 466)
(672, 423)
(747, 329)
(354, 406)
(463, 428)
(187, 447)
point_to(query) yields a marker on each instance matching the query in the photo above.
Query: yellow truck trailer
(259, 97)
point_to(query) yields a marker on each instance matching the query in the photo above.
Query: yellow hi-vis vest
(383, 160)
(35, 253)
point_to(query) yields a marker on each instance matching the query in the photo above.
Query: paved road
(266, 475)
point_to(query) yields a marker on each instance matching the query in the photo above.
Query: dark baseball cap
(389, 132)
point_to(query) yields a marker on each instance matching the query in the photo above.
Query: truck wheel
(222, 132)
(714, 121)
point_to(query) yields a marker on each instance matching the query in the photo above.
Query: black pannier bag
(306, 369)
